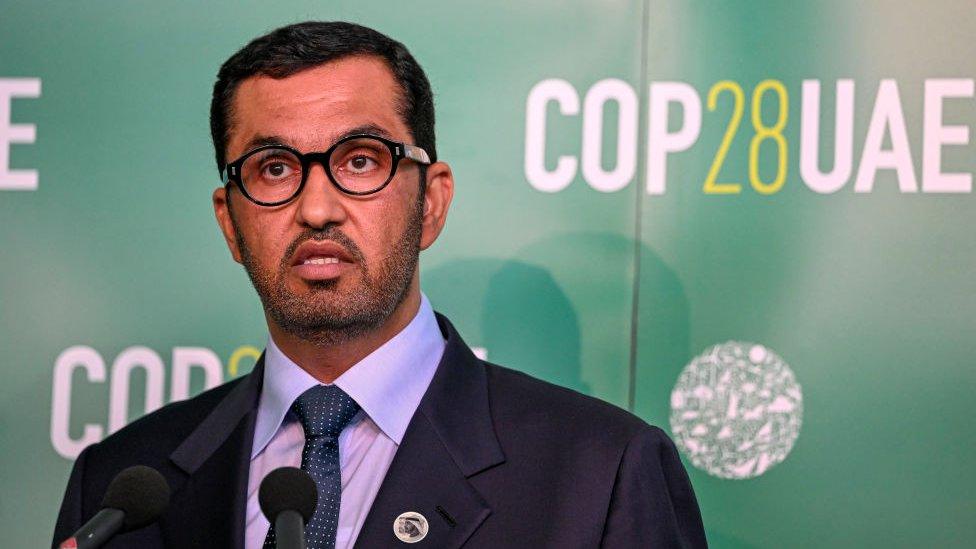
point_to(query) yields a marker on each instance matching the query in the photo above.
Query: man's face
(290, 251)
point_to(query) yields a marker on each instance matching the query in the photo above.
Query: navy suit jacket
(492, 458)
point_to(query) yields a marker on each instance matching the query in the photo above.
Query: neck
(326, 363)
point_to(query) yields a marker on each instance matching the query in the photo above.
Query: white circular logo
(410, 527)
(736, 410)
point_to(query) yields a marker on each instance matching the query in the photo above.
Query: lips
(314, 252)
(320, 260)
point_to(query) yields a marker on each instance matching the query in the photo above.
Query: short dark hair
(294, 48)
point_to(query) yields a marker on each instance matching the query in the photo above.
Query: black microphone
(288, 497)
(136, 497)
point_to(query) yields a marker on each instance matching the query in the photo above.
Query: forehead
(311, 108)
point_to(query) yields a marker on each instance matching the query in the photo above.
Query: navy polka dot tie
(324, 411)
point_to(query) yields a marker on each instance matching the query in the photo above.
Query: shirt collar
(387, 384)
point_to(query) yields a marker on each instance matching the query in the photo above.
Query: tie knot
(324, 410)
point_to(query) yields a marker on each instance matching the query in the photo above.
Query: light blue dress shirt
(388, 385)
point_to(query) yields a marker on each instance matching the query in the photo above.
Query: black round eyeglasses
(358, 165)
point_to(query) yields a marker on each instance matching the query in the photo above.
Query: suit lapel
(208, 508)
(449, 440)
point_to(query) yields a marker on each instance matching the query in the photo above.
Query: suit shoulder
(163, 429)
(518, 398)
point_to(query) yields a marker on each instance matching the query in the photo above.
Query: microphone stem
(290, 530)
(99, 529)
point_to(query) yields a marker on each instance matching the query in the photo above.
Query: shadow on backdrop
(562, 310)
(514, 310)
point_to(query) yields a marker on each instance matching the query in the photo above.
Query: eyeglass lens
(359, 165)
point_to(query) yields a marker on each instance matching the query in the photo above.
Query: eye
(276, 168)
(360, 163)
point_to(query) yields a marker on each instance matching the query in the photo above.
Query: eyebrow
(369, 129)
(262, 140)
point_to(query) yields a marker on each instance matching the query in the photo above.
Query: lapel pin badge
(410, 527)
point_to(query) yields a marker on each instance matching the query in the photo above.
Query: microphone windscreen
(141, 493)
(288, 488)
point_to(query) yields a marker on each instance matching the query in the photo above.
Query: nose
(320, 202)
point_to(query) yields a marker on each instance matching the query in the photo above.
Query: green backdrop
(751, 223)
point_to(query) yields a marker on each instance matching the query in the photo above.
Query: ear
(437, 200)
(221, 204)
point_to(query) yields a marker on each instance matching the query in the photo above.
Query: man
(324, 135)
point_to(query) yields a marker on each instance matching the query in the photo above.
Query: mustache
(331, 233)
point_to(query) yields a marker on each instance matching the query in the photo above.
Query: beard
(328, 314)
